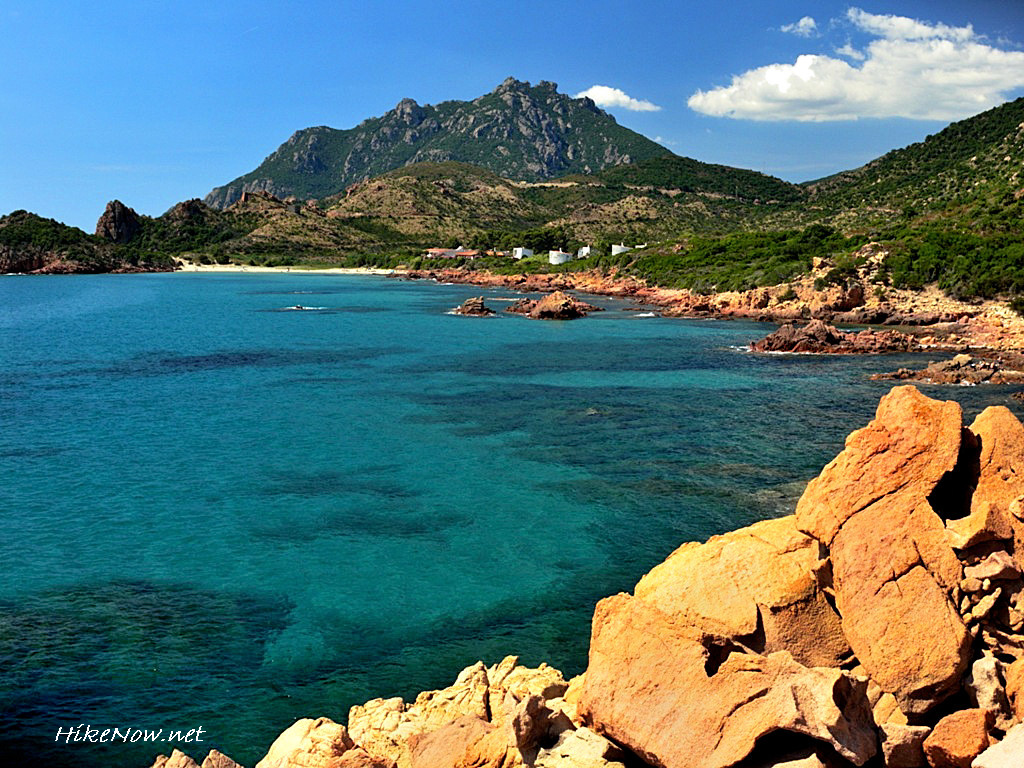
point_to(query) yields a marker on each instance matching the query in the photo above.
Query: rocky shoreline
(818, 338)
(882, 624)
(930, 318)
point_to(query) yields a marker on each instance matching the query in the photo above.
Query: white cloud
(851, 53)
(911, 69)
(901, 28)
(606, 96)
(806, 27)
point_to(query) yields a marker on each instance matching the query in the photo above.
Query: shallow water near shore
(225, 515)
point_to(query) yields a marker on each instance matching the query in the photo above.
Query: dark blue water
(218, 513)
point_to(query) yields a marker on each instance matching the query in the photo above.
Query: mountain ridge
(518, 130)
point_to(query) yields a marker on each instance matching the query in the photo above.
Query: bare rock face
(217, 759)
(1015, 687)
(468, 742)
(214, 759)
(903, 745)
(674, 697)
(1006, 754)
(580, 748)
(119, 223)
(958, 738)
(177, 759)
(511, 698)
(383, 727)
(308, 744)
(999, 496)
(894, 572)
(760, 580)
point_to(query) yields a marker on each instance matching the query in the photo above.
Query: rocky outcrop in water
(557, 305)
(819, 338)
(474, 307)
(881, 625)
(962, 369)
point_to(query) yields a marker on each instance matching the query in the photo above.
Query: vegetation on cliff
(30, 243)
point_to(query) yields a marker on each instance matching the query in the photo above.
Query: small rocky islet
(882, 624)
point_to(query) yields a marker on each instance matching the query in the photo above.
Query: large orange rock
(1000, 492)
(911, 443)
(958, 738)
(893, 568)
(467, 742)
(1015, 688)
(759, 580)
(893, 573)
(669, 694)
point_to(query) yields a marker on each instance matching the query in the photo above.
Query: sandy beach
(191, 266)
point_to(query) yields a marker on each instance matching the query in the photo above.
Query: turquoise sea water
(220, 513)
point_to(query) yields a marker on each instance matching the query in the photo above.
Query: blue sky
(157, 102)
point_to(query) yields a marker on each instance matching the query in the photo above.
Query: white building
(617, 249)
(559, 257)
(583, 252)
(521, 253)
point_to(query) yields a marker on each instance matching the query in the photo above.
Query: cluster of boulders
(962, 369)
(817, 337)
(882, 624)
(557, 305)
(492, 717)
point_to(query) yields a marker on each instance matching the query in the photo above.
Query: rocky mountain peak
(409, 112)
(119, 223)
(518, 131)
(511, 84)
